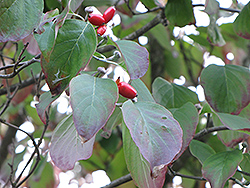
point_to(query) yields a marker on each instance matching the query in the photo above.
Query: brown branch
(158, 19)
(24, 65)
(225, 9)
(24, 84)
(119, 181)
(205, 131)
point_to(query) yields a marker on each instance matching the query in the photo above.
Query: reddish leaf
(136, 58)
(67, 146)
(154, 130)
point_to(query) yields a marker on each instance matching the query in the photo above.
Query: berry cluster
(126, 90)
(101, 20)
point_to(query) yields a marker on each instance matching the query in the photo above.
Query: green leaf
(138, 166)
(114, 120)
(171, 95)
(19, 18)
(180, 13)
(200, 150)
(154, 130)
(234, 122)
(46, 39)
(188, 118)
(43, 176)
(136, 58)
(93, 100)
(142, 91)
(67, 146)
(227, 88)
(74, 46)
(214, 35)
(245, 165)
(242, 22)
(218, 168)
(149, 3)
(44, 101)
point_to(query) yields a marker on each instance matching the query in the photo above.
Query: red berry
(101, 30)
(127, 90)
(109, 14)
(96, 19)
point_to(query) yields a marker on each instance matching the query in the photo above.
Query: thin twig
(225, 9)
(203, 132)
(119, 181)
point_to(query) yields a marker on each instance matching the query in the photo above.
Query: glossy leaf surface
(154, 130)
(171, 95)
(218, 168)
(200, 150)
(188, 118)
(138, 166)
(179, 13)
(74, 46)
(241, 24)
(136, 58)
(93, 101)
(227, 88)
(19, 15)
(67, 146)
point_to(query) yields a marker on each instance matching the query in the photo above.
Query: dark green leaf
(67, 147)
(180, 13)
(201, 150)
(227, 88)
(245, 165)
(93, 101)
(242, 22)
(74, 46)
(188, 118)
(18, 18)
(218, 168)
(171, 95)
(154, 130)
(136, 58)
(149, 3)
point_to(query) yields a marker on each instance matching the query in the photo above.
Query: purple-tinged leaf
(242, 22)
(136, 58)
(18, 18)
(74, 46)
(218, 168)
(180, 13)
(138, 166)
(67, 146)
(93, 101)
(229, 138)
(200, 150)
(171, 95)
(188, 118)
(154, 130)
(44, 101)
(227, 88)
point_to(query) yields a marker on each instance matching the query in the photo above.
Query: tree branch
(209, 130)
(225, 9)
(119, 181)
